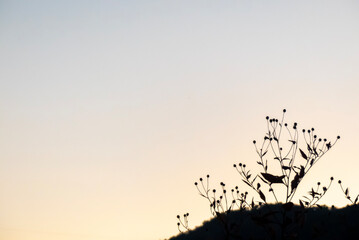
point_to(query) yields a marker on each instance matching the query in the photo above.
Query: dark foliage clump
(262, 223)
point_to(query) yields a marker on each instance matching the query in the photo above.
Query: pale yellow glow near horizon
(110, 111)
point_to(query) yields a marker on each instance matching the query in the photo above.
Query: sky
(111, 110)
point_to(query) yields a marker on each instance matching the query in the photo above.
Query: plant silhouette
(285, 156)
(346, 193)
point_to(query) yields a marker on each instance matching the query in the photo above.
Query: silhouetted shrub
(238, 216)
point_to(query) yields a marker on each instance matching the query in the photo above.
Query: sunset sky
(111, 110)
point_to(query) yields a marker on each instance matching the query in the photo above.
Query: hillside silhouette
(267, 222)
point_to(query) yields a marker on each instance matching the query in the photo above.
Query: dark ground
(274, 222)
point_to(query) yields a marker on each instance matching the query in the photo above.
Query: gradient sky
(110, 110)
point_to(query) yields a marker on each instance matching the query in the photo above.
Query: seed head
(284, 110)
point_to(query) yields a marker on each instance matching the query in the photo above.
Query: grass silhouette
(271, 213)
